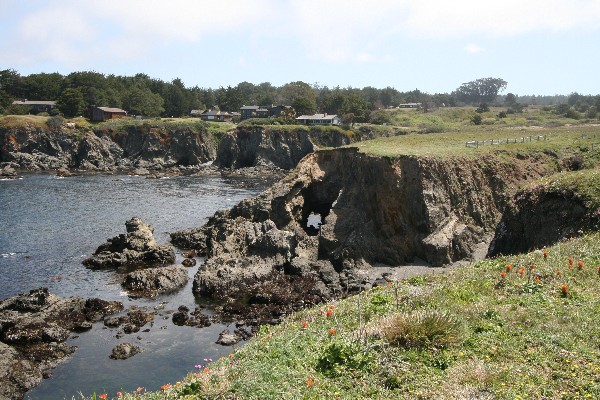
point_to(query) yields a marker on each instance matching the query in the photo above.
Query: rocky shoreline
(339, 223)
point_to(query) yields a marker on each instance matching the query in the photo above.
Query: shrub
(477, 119)
(429, 328)
(54, 123)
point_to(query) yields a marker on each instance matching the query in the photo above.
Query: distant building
(319, 119)
(247, 112)
(106, 113)
(213, 114)
(37, 106)
(409, 105)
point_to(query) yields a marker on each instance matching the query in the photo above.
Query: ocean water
(48, 225)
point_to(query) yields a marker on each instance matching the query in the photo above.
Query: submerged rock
(33, 329)
(123, 351)
(152, 281)
(136, 247)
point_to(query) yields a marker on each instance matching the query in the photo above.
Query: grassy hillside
(505, 328)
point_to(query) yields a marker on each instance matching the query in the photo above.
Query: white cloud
(472, 48)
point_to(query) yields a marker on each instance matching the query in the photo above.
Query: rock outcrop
(545, 213)
(33, 330)
(250, 146)
(317, 233)
(136, 247)
(150, 282)
(123, 351)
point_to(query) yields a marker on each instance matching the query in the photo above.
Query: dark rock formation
(316, 234)
(250, 146)
(123, 351)
(152, 281)
(136, 247)
(542, 215)
(195, 318)
(227, 338)
(33, 331)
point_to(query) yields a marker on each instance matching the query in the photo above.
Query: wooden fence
(525, 139)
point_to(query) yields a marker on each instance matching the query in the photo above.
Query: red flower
(580, 264)
(309, 383)
(304, 324)
(570, 266)
(331, 307)
(103, 396)
(545, 255)
(332, 331)
(570, 260)
(329, 313)
(165, 387)
(522, 271)
(508, 268)
(502, 275)
(531, 267)
(564, 289)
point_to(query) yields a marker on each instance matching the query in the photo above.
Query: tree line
(78, 92)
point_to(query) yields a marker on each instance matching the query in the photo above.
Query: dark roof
(250, 108)
(112, 110)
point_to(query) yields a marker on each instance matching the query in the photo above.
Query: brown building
(106, 113)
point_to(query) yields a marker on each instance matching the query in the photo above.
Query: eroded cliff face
(33, 148)
(250, 146)
(341, 212)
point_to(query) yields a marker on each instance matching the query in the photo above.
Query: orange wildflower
(580, 265)
(304, 324)
(329, 313)
(331, 307)
(508, 268)
(332, 331)
(545, 255)
(309, 383)
(564, 289)
(522, 271)
(103, 396)
(165, 387)
(502, 275)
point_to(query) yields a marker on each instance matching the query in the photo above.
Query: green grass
(563, 139)
(496, 336)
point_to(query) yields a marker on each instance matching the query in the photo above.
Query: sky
(541, 47)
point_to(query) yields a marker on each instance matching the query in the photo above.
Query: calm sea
(48, 225)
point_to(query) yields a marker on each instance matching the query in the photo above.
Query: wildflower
(522, 271)
(565, 290)
(139, 389)
(206, 370)
(580, 265)
(332, 331)
(331, 307)
(165, 387)
(120, 394)
(309, 383)
(198, 366)
(570, 266)
(537, 280)
(545, 255)
(508, 268)
(103, 396)
(230, 355)
(502, 275)
(329, 313)
(304, 324)
(531, 267)
(570, 260)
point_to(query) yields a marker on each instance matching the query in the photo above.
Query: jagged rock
(188, 262)
(194, 319)
(8, 172)
(123, 351)
(152, 281)
(33, 329)
(227, 338)
(136, 247)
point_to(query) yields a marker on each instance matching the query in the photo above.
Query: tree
(71, 102)
(356, 105)
(304, 105)
(141, 101)
(483, 90)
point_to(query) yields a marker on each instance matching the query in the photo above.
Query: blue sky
(542, 47)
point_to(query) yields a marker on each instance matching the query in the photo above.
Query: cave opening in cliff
(319, 198)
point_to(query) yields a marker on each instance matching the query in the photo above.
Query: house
(214, 114)
(319, 119)
(106, 113)
(36, 106)
(262, 111)
(409, 105)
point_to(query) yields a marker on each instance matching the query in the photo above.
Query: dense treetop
(140, 94)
